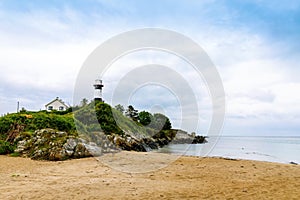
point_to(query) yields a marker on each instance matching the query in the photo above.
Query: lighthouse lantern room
(98, 90)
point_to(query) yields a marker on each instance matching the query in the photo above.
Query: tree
(132, 113)
(106, 119)
(23, 110)
(145, 118)
(167, 125)
(120, 108)
(161, 122)
(84, 102)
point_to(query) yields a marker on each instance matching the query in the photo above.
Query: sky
(254, 45)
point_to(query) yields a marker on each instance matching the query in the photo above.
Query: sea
(267, 148)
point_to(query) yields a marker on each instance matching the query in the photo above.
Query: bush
(6, 123)
(6, 147)
(106, 119)
(34, 121)
(145, 118)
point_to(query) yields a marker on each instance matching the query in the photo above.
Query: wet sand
(127, 175)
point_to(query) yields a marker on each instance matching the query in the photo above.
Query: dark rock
(150, 143)
(183, 137)
(199, 139)
(293, 163)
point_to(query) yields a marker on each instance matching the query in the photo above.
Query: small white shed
(56, 104)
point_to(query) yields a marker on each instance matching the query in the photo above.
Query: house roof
(59, 100)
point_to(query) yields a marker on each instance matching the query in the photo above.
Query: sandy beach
(182, 178)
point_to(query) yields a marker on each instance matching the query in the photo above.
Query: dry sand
(185, 178)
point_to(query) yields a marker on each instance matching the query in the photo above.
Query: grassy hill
(83, 121)
(103, 117)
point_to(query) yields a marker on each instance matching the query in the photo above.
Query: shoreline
(279, 150)
(187, 177)
(234, 158)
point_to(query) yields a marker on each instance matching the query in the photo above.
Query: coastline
(271, 149)
(185, 177)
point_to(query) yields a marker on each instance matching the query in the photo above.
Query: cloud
(41, 53)
(167, 88)
(43, 47)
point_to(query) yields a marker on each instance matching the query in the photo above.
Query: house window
(50, 107)
(61, 108)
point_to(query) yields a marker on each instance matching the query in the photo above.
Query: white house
(56, 104)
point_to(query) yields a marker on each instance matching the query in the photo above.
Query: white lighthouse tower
(98, 90)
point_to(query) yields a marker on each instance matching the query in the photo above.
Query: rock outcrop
(131, 143)
(178, 137)
(48, 144)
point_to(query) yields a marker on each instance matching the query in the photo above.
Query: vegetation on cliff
(95, 123)
(25, 123)
(102, 117)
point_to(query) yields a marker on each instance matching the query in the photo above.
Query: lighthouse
(98, 90)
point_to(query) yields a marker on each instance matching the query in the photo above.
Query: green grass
(14, 154)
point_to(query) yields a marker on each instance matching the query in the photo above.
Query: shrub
(6, 147)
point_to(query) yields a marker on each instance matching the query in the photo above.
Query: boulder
(70, 146)
(81, 151)
(48, 144)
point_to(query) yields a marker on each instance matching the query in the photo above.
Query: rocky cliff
(48, 144)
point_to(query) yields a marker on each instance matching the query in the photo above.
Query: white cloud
(42, 51)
